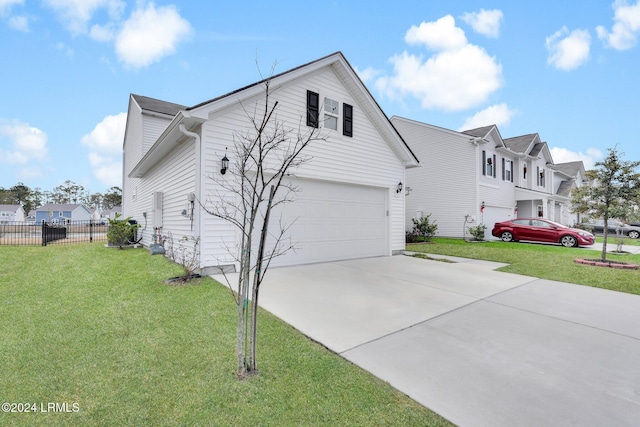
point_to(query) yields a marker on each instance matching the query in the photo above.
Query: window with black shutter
(347, 120)
(484, 162)
(494, 165)
(313, 106)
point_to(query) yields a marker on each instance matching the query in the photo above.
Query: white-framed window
(331, 113)
(488, 164)
(507, 170)
(540, 177)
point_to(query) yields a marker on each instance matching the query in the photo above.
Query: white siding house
(348, 204)
(477, 177)
(11, 213)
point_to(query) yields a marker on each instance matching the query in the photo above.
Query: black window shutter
(494, 165)
(484, 162)
(511, 171)
(347, 120)
(503, 171)
(313, 106)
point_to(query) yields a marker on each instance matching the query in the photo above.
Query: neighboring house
(111, 213)
(349, 205)
(568, 176)
(95, 214)
(62, 213)
(477, 177)
(11, 214)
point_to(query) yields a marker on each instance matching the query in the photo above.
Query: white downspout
(198, 179)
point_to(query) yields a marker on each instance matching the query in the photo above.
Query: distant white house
(111, 213)
(351, 202)
(11, 213)
(477, 177)
(62, 213)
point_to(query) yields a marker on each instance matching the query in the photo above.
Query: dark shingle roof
(479, 132)
(536, 149)
(565, 188)
(570, 168)
(158, 106)
(58, 207)
(519, 144)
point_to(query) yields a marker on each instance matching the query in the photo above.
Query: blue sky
(567, 70)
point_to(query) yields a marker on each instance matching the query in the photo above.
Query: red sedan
(541, 230)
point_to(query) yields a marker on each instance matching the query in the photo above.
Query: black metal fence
(31, 234)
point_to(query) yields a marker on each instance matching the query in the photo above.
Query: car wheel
(569, 241)
(634, 234)
(506, 236)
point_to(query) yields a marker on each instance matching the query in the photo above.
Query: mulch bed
(609, 264)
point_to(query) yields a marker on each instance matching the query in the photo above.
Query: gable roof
(571, 168)
(10, 208)
(188, 118)
(520, 144)
(565, 188)
(479, 132)
(157, 106)
(60, 207)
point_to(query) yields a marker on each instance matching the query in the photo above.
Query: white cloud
(150, 34)
(440, 35)
(626, 25)
(568, 50)
(499, 115)
(25, 143)
(20, 23)
(563, 155)
(459, 76)
(76, 14)
(485, 22)
(5, 5)
(105, 149)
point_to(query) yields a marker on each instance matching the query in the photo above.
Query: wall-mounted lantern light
(399, 188)
(225, 165)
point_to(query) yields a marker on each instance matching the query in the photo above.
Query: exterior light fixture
(399, 188)
(225, 165)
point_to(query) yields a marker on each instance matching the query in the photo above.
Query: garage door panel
(330, 221)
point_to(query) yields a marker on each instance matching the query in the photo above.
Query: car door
(542, 231)
(521, 229)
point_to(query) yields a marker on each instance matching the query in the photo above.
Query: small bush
(478, 231)
(423, 227)
(121, 231)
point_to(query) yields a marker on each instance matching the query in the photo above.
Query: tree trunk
(257, 279)
(605, 232)
(243, 287)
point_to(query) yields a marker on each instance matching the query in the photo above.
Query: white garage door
(331, 221)
(494, 214)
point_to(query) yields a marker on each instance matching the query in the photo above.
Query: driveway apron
(479, 347)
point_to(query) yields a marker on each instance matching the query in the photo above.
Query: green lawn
(95, 328)
(543, 261)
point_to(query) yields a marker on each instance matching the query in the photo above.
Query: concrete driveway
(480, 347)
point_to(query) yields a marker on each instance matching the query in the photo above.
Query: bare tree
(264, 155)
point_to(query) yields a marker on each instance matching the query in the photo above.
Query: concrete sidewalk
(611, 246)
(480, 347)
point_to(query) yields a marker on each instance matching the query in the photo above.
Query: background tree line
(67, 193)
